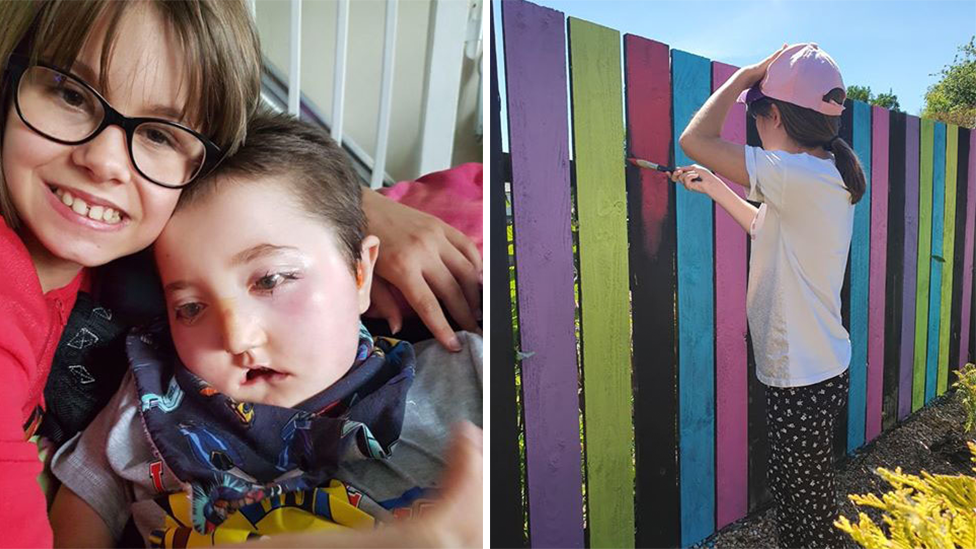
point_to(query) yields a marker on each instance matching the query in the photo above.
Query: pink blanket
(453, 195)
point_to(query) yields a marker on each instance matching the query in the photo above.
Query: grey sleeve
(452, 381)
(447, 389)
(83, 463)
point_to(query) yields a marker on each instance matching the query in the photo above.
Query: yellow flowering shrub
(921, 512)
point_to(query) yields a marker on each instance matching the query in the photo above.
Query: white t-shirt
(801, 239)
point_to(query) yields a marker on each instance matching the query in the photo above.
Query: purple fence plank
(535, 65)
(879, 255)
(967, 284)
(731, 371)
(911, 251)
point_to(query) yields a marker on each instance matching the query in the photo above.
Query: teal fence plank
(937, 261)
(860, 277)
(691, 81)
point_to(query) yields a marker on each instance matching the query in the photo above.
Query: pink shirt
(31, 323)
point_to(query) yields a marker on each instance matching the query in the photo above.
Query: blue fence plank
(935, 283)
(860, 275)
(691, 81)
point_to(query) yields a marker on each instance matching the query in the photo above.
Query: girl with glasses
(83, 185)
(108, 110)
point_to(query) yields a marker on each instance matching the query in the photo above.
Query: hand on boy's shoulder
(469, 340)
(451, 382)
(472, 351)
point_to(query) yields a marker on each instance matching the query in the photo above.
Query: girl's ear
(774, 116)
(364, 270)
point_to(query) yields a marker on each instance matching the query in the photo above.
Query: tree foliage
(863, 93)
(953, 98)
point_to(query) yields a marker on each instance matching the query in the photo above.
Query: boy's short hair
(312, 167)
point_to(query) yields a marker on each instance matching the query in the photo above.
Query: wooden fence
(660, 380)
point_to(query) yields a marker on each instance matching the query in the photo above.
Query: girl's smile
(86, 210)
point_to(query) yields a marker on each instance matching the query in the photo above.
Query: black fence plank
(840, 426)
(506, 494)
(962, 194)
(653, 284)
(895, 268)
(759, 495)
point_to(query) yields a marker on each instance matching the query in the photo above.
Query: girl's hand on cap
(758, 70)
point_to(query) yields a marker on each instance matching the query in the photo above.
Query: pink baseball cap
(802, 75)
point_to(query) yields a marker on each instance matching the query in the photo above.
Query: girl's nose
(241, 332)
(106, 157)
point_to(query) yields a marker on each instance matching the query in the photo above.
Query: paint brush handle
(649, 165)
(652, 166)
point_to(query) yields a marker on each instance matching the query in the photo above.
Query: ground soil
(929, 440)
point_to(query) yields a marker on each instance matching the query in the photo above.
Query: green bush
(966, 386)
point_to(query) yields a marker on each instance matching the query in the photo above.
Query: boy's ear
(368, 253)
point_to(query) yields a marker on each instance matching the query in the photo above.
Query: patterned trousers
(800, 423)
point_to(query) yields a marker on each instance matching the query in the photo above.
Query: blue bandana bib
(235, 453)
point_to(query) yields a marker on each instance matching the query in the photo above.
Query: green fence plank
(598, 135)
(924, 261)
(948, 252)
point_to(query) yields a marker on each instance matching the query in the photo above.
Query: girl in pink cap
(807, 180)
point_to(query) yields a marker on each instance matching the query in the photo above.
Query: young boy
(273, 410)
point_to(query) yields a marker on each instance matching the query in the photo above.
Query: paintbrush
(652, 166)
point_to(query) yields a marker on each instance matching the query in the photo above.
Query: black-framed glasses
(67, 110)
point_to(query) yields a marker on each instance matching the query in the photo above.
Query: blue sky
(897, 45)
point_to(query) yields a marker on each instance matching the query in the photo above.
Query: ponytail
(849, 167)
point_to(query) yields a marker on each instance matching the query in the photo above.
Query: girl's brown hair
(218, 39)
(809, 128)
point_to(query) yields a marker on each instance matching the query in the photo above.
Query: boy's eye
(271, 281)
(268, 282)
(189, 311)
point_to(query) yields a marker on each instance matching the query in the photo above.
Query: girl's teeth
(80, 207)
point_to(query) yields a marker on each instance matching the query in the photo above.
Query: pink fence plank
(876, 281)
(535, 53)
(911, 251)
(731, 371)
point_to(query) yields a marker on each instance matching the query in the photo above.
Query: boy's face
(262, 303)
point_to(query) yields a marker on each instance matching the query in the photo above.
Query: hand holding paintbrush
(694, 178)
